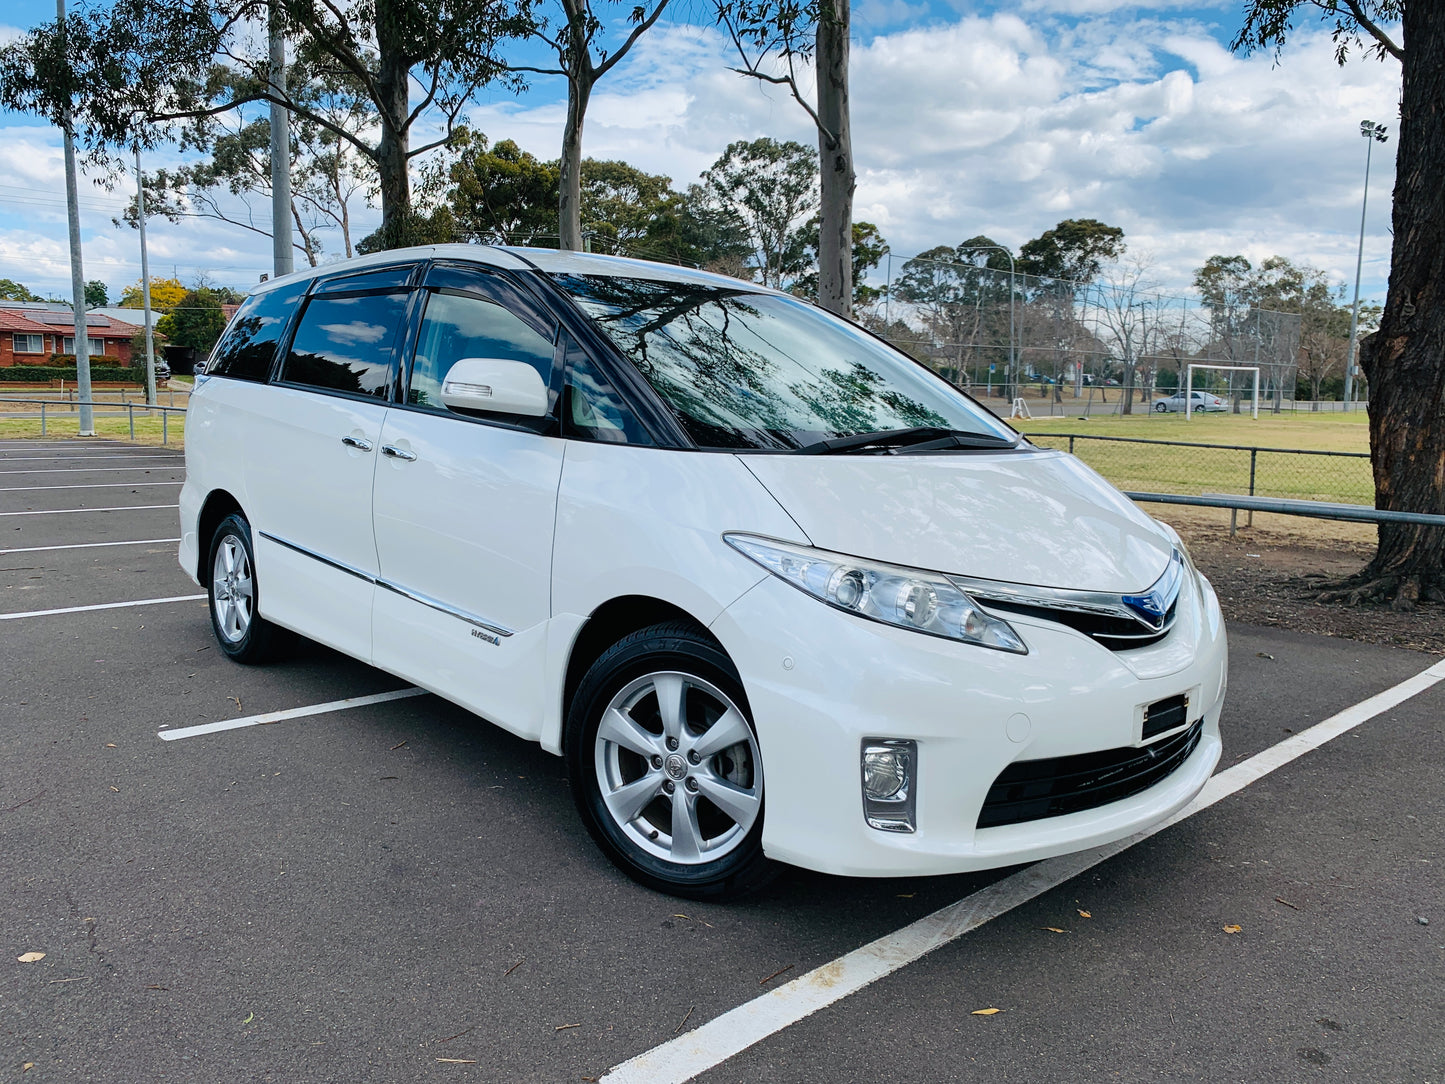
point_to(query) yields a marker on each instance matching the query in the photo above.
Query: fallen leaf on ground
(459, 1061)
(1264, 655)
(564, 1027)
(1085, 914)
(30, 957)
(1051, 929)
(116, 789)
(249, 1017)
(27, 1067)
(985, 1012)
(1233, 929)
(110, 745)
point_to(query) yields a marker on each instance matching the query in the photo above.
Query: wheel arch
(218, 505)
(609, 623)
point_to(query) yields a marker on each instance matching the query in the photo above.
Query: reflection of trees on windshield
(740, 369)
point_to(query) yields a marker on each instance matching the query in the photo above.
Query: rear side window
(248, 348)
(345, 344)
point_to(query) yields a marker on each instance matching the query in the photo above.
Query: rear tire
(234, 597)
(665, 765)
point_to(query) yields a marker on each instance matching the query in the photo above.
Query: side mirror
(495, 385)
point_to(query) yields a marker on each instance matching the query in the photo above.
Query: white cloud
(999, 125)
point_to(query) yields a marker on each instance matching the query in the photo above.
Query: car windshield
(750, 370)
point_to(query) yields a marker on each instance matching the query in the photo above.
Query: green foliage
(10, 290)
(95, 294)
(197, 321)
(132, 71)
(770, 189)
(502, 194)
(869, 248)
(409, 228)
(1075, 250)
(112, 372)
(1268, 23)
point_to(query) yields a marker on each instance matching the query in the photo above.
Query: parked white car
(1199, 400)
(774, 590)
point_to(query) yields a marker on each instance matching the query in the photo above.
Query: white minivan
(776, 591)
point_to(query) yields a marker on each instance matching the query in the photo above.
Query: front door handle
(394, 452)
(360, 443)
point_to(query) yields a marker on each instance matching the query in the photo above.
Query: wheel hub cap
(676, 767)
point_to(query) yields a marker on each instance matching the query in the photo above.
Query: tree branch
(1385, 41)
(637, 32)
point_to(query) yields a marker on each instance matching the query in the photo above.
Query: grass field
(62, 425)
(1164, 468)
(1331, 432)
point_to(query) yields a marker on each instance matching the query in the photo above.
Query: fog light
(888, 767)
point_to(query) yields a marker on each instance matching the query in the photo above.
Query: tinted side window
(345, 344)
(460, 326)
(249, 345)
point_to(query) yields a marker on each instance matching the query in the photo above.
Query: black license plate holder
(1168, 714)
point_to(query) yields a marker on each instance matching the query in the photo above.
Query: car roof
(548, 260)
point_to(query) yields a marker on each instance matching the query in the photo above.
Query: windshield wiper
(916, 437)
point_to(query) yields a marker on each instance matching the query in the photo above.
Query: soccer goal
(1189, 386)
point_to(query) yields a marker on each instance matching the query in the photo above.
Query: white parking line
(88, 545)
(708, 1046)
(62, 511)
(76, 458)
(91, 485)
(101, 606)
(288, 713)
(83, 470)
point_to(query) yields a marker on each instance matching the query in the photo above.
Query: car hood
(1033, 517)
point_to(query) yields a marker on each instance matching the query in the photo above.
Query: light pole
(1013, 356)
(1373, 133)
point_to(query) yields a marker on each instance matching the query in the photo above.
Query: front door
(463, 509)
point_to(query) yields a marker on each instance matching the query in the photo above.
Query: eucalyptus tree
(137, 73)
(771, 188)
(579, 41)
(772, 38)
(1404, 360)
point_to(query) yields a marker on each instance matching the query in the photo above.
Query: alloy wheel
(678, 768)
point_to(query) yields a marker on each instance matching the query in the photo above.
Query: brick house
(32, 334)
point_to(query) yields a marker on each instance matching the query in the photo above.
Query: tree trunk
(1404, 361)
(569, 206)
(393, 103)
(835, 159)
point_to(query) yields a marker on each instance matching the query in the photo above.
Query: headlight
(907, 598)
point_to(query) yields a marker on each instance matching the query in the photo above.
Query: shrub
(44, 374)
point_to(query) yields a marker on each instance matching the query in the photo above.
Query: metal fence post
(42, 418)
(1071, 444)
(1253, 460)
(130, 409)
(165, 426)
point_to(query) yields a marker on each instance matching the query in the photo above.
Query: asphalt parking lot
(399, 892)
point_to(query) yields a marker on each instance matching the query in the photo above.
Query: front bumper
(820, 681)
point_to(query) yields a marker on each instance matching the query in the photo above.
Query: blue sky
(968, 118)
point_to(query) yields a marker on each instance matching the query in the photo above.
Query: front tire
(1161, 408)
(665, 766)
(244, 635)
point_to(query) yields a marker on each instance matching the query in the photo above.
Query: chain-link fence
(1165, 466)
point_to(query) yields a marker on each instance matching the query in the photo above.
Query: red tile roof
(14, 321)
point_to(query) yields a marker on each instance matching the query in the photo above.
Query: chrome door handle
(394, 452)
(360, 443)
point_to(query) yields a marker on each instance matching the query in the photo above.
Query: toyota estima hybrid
(777, 592)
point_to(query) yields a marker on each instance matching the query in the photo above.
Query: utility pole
(77, 272)
(145, 279)
(282, 257)
(1373, 133)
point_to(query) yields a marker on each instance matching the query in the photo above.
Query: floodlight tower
(1373, 133)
